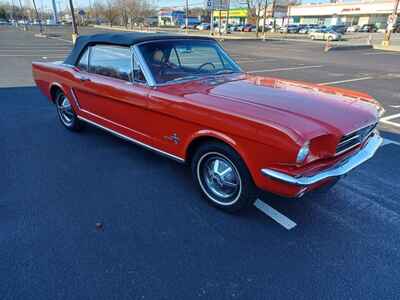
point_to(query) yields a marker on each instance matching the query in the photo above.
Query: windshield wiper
(191, 77)
(224, 71)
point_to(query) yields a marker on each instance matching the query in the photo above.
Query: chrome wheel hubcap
(65, 111)
(220, 179)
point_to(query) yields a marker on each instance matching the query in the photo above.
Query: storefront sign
(216, 4)
(352, 9)
(233, 13)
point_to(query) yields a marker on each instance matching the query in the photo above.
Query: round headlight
(381, 110)
(303, 153)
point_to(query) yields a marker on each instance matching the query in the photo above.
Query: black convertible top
(120, 39)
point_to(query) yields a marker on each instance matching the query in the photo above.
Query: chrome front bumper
(339, 169)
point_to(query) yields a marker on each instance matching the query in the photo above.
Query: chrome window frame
(142, 64)
(88, 49)
(151, 82)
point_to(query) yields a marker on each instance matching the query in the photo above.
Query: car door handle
(83, 78)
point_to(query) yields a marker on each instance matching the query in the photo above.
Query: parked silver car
(325, 34)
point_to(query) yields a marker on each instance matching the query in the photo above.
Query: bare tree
(254, 8)
(138, 10)
(110, 11)
(121, 7)
(133, 8)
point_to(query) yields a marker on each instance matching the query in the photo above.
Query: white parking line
(379, 53)
(60, 39)
(275, 215)
(387, 120)
(27, 55)
(389, 141)
(346, 80)
(284, 69)
(31, 47)
(244, 61)
(36, 50)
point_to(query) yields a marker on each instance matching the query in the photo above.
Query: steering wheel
(205, 64)
(166, 67)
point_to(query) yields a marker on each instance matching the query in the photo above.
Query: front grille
(353, 139)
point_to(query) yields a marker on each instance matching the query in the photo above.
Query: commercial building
(237, 16)
(348, 13)
(280, 14)
(174, 17)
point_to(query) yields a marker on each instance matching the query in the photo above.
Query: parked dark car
(338, 28)
(368, 28)
(4, 22)
(289, 29)
(190, 26)
(249, 28)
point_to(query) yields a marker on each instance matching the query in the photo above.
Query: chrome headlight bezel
(303, 153)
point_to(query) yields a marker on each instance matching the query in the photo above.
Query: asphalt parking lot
(159, 240)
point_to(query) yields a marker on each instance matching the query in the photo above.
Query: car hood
(306, 108)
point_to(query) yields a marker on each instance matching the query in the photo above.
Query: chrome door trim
(120, 135)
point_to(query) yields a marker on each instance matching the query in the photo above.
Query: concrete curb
(40, 35)
(388, 48)
(349, 47)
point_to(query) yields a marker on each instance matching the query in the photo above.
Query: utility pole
(273, 14)
(265, 18)
(187, 17)
(228, 4)
(22, 10)
(389, 29)
(74, 27)
(38, 17)
(12, 10)
(212, 20)
(219, 19)
(258, 17)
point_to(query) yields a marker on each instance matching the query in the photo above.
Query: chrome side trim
(340, 169)
(174, 157)
(74, 98)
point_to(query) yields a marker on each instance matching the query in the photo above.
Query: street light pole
(389, 29)
(212, 20)
(74, 27)
(38, 17)
(219, 18)
(22, 10)
(227, 14)
(187, 17)
(264, 18)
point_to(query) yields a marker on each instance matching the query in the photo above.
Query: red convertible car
(185, 98)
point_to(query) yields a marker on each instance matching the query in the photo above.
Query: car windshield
(177, 60)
